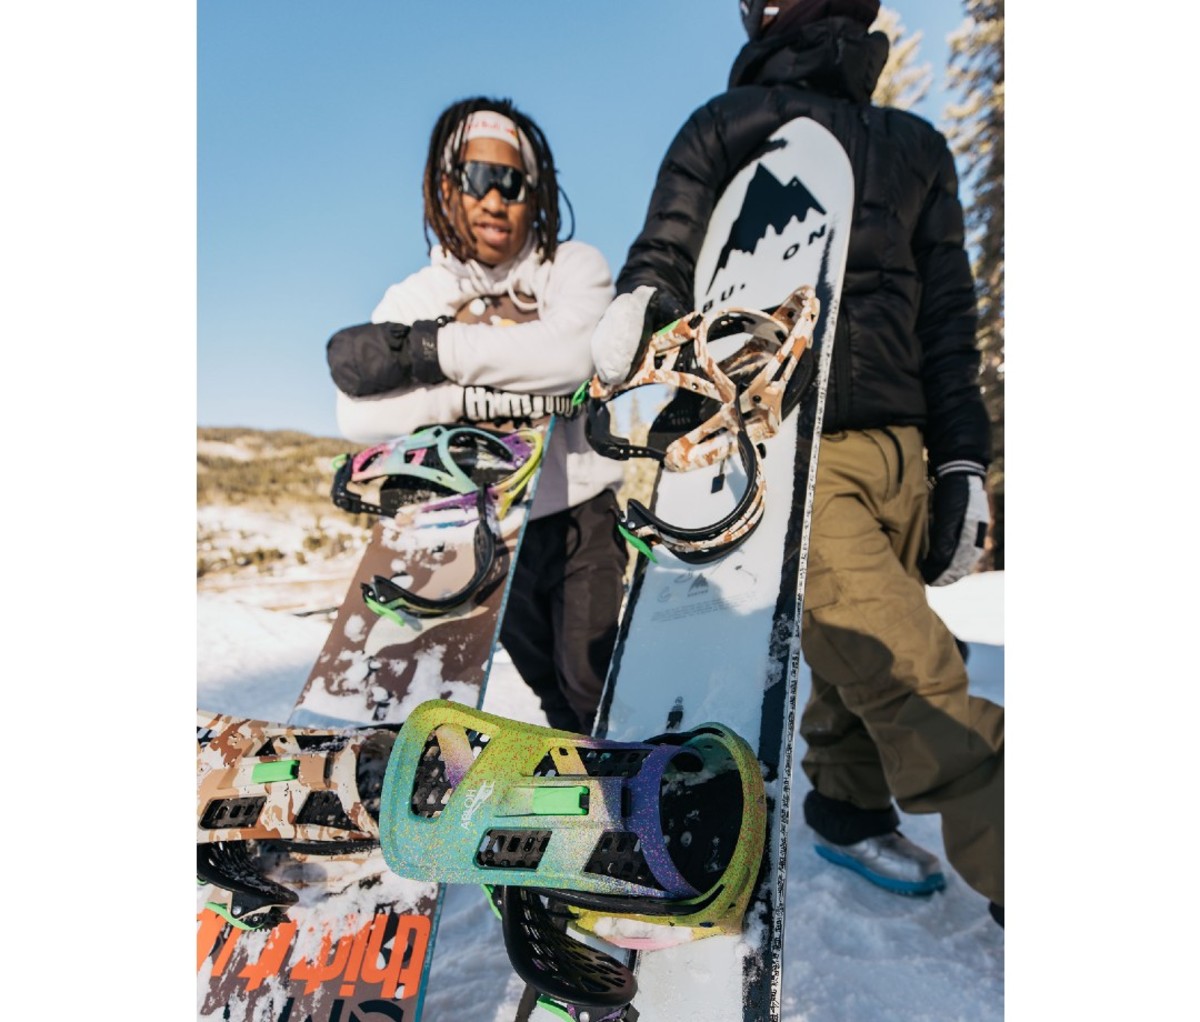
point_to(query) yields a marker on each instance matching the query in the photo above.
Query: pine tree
(903, 83)
(975, 129)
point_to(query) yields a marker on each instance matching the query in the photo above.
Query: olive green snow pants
(889, 715)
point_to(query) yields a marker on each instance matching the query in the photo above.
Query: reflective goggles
(476, 179)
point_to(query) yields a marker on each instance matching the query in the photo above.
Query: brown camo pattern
(231, 748)
(790, 327)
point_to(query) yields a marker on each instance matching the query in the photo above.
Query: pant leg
(586, 603)
(527, 631)
(561, 623)
(886, 670)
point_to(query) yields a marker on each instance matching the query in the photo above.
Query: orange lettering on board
(395, 973)
(211, 926)
(323, 967)
(231, 942)
(350, 978)
(270, 961)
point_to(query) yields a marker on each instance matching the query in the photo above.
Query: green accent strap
(554, 1008)
(383, 610)
(581, 394)
(668, 328)
(339, 461)
(487, 890)
(224, 913)
(560, 801)
(638, 544)
(284, 770)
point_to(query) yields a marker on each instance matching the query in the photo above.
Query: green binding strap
(282, 770)
(487, 890)
(581, 394)
(225, 914)
(668, 328)
(638, 544)
(560, 801)
(552, 1007)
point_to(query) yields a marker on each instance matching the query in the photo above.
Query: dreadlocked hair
(543, 201)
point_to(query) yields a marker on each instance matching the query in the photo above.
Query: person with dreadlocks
(899, 499)
(505, 310)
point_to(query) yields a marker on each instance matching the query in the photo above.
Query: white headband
(489, 124)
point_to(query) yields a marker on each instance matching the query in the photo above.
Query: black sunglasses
(477, 179)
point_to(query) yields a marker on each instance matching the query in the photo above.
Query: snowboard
(420, 620)
(720, 640)
(458, 795)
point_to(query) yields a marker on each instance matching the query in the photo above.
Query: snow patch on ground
(854, 953)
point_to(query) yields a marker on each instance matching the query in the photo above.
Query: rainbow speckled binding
(618, 829)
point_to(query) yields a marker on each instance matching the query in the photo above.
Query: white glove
(958, 522)
(620, 334)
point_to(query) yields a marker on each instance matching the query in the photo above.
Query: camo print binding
(749, 389)
(256, 781)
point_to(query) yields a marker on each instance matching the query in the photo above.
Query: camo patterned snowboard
(359, 943)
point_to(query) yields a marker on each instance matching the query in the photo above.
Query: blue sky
(312, 126)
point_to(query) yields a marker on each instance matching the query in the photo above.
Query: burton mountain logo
(768, 203)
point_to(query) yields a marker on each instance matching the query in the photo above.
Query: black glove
(377, 357)
(958, 522)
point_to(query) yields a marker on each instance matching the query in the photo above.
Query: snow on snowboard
(305, 921)
(717, 638)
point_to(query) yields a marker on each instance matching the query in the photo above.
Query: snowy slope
(853, 953)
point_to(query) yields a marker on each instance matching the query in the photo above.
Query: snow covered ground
(854, 953)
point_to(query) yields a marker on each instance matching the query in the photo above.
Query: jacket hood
(836, 56)
(475, 278)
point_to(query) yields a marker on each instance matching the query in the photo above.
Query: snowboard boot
(867, 842)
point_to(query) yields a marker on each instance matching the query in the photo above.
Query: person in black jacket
(889, 719)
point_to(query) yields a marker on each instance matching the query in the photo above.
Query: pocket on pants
(820, 589)
(834, 643)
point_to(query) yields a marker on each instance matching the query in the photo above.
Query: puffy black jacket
(905, 349)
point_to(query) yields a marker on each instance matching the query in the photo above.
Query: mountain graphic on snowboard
(769, 203)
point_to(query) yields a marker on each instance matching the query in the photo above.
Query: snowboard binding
(439, 470)
(612, 828)
(617, 839)
(573, 980)
(438, 466)
(260, 786)
(719, 408)
(388, 598)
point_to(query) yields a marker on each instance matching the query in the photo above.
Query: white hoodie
(488, 366)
